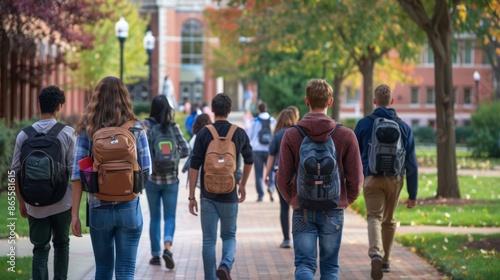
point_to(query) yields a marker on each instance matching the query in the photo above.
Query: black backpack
(386, 151)
(318, 180)
(265, 133)
(43, 178)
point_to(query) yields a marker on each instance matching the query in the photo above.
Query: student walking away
(216, 152)
(200, 122)
(387, 151)
(260, 134)
(286, 119)
(319, 177)
(42, 160)
(111, 163)
(167, 146)
(188, 123)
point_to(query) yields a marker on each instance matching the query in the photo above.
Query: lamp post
(477, 78)
(149, 45)
(121, 30)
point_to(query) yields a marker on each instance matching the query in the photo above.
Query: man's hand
(193, 207)
(410, 203)
(22, 210)
(242, 193)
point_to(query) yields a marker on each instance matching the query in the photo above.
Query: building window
(192, 42)
(467, 96)
(414, 95)
(430, 96)
(467, 52)
(351, 95)
(415, 123)
(429, 55)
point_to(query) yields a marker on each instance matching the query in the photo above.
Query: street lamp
(477, 78)
(121, 30)
(149, 45)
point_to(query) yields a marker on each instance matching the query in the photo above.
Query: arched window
(192, 42)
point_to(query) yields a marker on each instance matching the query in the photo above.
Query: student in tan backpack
(115, 226)
(218, 203)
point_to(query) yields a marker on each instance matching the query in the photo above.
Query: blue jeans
(259, 162)
(158, 195)
(325, 227)
(41, 231)
(210, 214)
(117, 224)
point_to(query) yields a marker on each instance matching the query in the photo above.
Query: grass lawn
(427, 157)
(22, 268)
(22, 228)
(480, 204)
(461, 256)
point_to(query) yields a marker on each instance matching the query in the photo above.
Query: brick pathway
(258, 255)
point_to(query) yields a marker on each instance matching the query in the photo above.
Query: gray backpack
(318, 180)
(386, 152)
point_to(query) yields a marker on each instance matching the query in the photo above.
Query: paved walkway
(258, 255)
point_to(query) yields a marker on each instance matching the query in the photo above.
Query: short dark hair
(49, 98)
(262, 107)
(221, 105)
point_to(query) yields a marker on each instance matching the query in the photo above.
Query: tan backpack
(220, 162)
(115, 161)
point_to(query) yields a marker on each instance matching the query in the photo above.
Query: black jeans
(284, 217)
(41, 231)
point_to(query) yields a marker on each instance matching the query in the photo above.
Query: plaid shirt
(83, 149)
(184, 149)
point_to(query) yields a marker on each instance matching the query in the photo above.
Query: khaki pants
(381, 199)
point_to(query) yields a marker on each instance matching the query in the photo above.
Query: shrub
(7, 142)
(424, 135)
(141, 108)
(485, 138)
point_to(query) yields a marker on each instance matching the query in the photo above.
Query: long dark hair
(161, 111)
(109, 105)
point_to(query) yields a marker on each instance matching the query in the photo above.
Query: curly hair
(109, 105)
(49, 98)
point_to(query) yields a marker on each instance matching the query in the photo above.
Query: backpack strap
(302, 132)
(215, 134)
(374, 117)
(30, 131)
(54, 131)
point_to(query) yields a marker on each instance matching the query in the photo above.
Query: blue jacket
(363, 133)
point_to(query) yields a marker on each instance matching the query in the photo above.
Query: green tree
(103, 58)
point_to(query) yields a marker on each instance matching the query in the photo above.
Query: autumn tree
(31, 27)
(435, 21)
(483, 20)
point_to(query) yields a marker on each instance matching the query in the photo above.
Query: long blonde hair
(109, 105)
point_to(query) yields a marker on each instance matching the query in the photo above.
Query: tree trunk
(337, 88)
(366, 65)
(438, 30)
(440, 40)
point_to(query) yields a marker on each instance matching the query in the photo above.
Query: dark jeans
(284, 217)
(41, 230)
